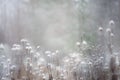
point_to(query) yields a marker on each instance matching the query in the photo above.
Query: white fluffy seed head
(84, 42)
(8, 60)
(100, 29)
(24, 40)
(13, 67)
(28, 47)
(108, 30)
(47, 52)
(2, 46)
(78, 43)
(111, 34)
(111, 22)
(16, 47)
(83, 62)
(57, 51)
(38, 47)
(3, 78)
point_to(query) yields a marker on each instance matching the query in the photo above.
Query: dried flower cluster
(24, 61)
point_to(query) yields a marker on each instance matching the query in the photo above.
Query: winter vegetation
(24, 61)
(59, 40)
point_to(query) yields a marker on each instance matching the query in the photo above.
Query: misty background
(57, 24)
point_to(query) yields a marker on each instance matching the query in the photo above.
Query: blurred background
(57, 24)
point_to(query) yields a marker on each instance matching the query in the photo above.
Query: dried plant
(24, 61)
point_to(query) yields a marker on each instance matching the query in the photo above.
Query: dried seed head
(83, 62)
(111, 22)
(47, 52)
(38, 47)
(111, 34)
(57, 51)
(28, 47)
(30, 65)
(27, 44)
(100, 29)
(13, 67)
(24, 40)
(78, 43)
(108, 30)
(2, 46)
(16, 47)
(53, 53)
(84, 42)
(8, 60)
(32, 51)
(3, 78)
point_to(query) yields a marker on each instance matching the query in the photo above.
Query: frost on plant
(59, 40)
